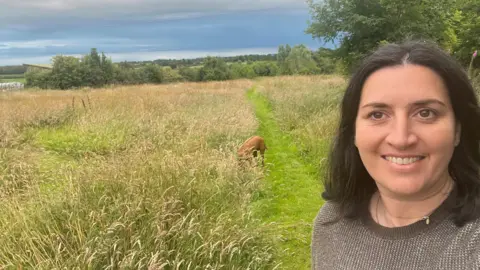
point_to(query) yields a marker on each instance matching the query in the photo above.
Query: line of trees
(18, 70)
(174, 63)
(97, 70)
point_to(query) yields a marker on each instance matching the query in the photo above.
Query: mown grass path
(290, 198)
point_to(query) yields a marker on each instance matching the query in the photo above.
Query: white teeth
(403, 161)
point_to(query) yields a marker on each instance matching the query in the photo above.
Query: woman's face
(405, 130)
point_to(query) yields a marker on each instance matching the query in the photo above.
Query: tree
(38, 78)
(106, 66)
(300, 61)
(190, 73)
(326, 61)
(283, 52)
(214, 69)
(93, 74)
(242, 70)
(171, 75)
(465, 26)
(66, 72)
(265, 68)
(152, 73)
(361, 25)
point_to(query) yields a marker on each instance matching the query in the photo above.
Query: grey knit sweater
(364, 244)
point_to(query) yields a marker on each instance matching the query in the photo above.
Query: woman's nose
(401, 135)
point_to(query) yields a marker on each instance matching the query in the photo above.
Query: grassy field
(12, 78)
(146, 176)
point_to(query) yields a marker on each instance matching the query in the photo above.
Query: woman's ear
(458, 133)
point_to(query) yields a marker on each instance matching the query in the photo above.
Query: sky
(33, 31)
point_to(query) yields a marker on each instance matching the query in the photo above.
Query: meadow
(145, 177)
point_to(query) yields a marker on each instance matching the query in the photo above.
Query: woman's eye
(376, 115)
(426, 113)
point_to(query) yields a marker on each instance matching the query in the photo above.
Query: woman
(403, 188)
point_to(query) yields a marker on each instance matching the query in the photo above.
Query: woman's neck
(391, 211)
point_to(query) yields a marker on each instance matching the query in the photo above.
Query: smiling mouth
(403, 161)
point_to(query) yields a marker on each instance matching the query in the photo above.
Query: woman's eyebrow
(376, 105)
(428, 102)
(422, 102)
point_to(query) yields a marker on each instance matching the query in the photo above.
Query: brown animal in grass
(250, 149)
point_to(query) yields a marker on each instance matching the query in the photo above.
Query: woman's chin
(403, 187)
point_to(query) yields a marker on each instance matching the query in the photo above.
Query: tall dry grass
(138, 177)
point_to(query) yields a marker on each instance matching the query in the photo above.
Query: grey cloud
(18, 11)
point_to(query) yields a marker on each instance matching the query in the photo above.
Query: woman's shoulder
(328, 212)
(473, 226)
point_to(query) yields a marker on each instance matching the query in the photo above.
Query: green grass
(21, 80)
(71, 141)
(291, 195)
(12, 78)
